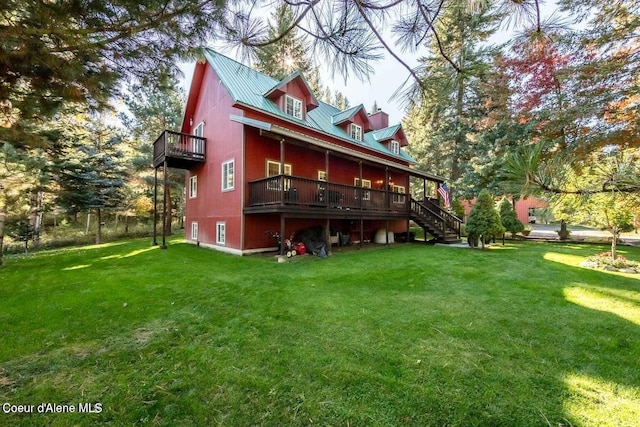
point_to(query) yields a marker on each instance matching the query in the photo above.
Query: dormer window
(356, 131)
(293, 107)
(394, 146)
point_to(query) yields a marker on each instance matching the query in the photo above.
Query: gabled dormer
(293, 96)
(353, 121)
(392, 138)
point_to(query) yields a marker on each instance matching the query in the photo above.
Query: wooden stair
(444, 226)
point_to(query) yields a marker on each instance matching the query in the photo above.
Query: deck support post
(164, 205)
(386, 232)
(408, 231)
(282, 235)
(155, 207)
(328, 235)
(282, 180)
(361, 232)
(424, 189)
(360, 191)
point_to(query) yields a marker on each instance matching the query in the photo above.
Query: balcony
(179, 150)
(283, 193)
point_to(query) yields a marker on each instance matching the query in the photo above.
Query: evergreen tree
(447, 103)
(21, 230)
(340, 101)
(54, 52)
(289, 53)
(326, 95)
(484, 221)
(89, 168)
(508, 217)
(151, 111)
(21, 172)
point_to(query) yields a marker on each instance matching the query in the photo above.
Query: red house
(527, 210)
(265, 155)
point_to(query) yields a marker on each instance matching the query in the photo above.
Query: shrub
(484, 220)
(604, 259)
(508, 217)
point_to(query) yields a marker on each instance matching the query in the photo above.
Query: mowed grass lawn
(402, 335)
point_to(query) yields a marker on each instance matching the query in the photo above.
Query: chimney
(379, 120)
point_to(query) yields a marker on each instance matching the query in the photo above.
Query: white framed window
(193, 187)
(356, 131)
(228, 175)
(198, 144)
(221, 232)
(194, 230)
(322, 175)
(273, 169)
(394, 146)
(293, 106)
(399, 191)
(366, 195)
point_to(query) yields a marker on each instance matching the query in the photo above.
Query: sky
(388, 76)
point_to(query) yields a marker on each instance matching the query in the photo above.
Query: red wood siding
(224, 142)
(294, 127)
(229, 140)
(521, 208)
(379, 120)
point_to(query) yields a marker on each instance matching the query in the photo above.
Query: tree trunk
(88, 221)
(459, 148)
(614, 242)
(99, 228)
(3, 215)
(167, 199)
(35, 215)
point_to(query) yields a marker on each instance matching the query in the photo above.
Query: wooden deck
(302, 197)
(179, 150)
(295, 197)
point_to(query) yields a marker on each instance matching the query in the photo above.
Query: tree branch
(435, 33)
(358, 4)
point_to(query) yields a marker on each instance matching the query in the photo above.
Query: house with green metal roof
(268, 163)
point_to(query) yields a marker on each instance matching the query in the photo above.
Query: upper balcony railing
(291, 190)
(179, 149)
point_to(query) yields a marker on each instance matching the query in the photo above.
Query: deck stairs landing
(441, 224)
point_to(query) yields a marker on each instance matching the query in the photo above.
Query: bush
(484, 221)
(604, 259)
(508, 218)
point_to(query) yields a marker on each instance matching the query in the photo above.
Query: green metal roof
(247, 86)
(347, 114)
(386, 133)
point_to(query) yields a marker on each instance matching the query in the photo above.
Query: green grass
(406, 335)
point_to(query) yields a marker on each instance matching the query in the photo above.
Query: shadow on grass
(410, 335)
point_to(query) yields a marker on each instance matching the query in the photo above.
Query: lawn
(402, 335)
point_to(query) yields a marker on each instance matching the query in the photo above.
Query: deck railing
(178, 145)
(291, 190)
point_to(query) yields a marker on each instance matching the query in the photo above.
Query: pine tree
(484, 221)
(290, 53)
(89, 168)
(508, 217)
(152, 110)
(447, 102)
(57, 52)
